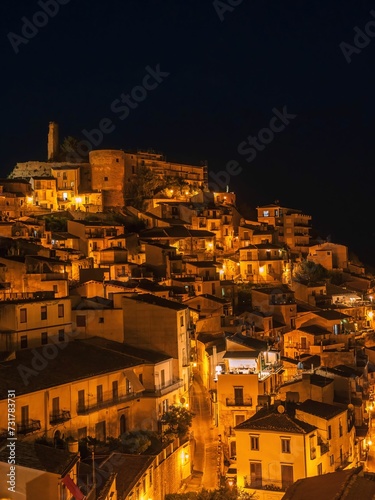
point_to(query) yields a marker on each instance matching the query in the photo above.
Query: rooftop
(145, 355)
(41, 457)
(275, 420)
(322, 410)
(32, 370)
(129, 468)
(350, 484)
(148, 298)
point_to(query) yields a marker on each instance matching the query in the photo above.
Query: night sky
(222, 69)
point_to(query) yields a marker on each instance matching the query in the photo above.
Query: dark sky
(225, 71)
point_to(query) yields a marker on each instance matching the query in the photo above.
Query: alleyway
(205, 441)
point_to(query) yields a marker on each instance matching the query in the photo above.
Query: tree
(178, 419)
(142, 187)
(56, 223)
(70, 150)
(148, 183)
(135, 442)
(307, 271)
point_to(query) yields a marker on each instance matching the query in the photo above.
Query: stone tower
(53, 141)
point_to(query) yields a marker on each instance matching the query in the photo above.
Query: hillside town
(125, 282)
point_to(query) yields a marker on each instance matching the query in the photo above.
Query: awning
(134, 380)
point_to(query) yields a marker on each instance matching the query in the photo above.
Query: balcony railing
(8, 296)
(324, 448)
(261, 483)
(53, 276)
(161, 391)
(28, 426)
(245, 401)
(108, 399)
(59, 417)
(282, 301)
(343, 461)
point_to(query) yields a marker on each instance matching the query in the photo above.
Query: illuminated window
(99, 393)
(115, 390)
(23, 315)
(43, 312)
(238, 419)
(60, 310)
(255, 474)
(266, 213)
(285, 445)
(254, 443)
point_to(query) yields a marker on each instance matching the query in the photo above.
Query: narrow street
(204, 441)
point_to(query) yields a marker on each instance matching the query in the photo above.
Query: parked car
(231, 475)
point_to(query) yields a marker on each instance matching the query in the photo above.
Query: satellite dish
(280, 409)
(351, 407)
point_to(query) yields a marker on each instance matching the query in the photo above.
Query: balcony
(260, 483)
(299, 346)
(59, 417)
(9, 296)
(161, 391)
(282, 301)
(245, 401)
(28, 426)
(324, 447)
(108, 399)
(342, 462)
(53, 276)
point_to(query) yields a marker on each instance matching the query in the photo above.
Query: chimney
(53, 141)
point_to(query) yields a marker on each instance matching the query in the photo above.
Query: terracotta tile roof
(272, 420)
(322, 410)
(41, 457)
